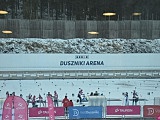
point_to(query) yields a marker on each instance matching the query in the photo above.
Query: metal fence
(129, 29)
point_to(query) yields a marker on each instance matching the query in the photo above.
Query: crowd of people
(11, 94)
(66, 102)
(33, 99)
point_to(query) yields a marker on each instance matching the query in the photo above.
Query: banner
(43, 112)
(123, 110)
(78, 112)
(151, 111)
(7, 109)
(20, 108)
(50, 108)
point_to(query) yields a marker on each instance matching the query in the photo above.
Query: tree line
(80, 9)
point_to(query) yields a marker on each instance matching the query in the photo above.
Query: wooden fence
(129, 29)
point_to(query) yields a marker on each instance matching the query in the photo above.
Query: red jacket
(65, 102)
(70, 103)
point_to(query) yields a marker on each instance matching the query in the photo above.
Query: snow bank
(79, 45)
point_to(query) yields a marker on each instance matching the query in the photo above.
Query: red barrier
(43, 112)
(123, 110)
(151, 111)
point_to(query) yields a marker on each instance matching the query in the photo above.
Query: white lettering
(75, 112)
(150, 111)
(125, 110)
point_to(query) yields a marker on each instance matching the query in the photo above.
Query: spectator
(65, 103)
(79, 95)
(126, 99)
(34, 101)
(135, 98)
(96, 93)
(55, 99)
(30, 97)
(49, 94)
(91, 94)
(13, 94)
(70, 103)
(21, 95)
(40, 99)
(7, 94)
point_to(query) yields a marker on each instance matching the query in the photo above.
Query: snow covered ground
(110, 88)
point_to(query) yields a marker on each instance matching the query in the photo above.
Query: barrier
(85, 112)
(151, 111)
(80, 112)
(123, 110)
(140, 100)
(43, 112)
(37, 101)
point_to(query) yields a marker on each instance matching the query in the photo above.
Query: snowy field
(110, 88)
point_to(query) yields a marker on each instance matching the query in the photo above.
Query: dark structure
(80, 9)
(75, 18)
(128, 29)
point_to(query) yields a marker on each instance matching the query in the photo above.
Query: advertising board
(151, 110)
(123, 110)
(85, 112)
(43, 112)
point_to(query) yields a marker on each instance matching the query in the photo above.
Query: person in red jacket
(70, 103)
(65, 102)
